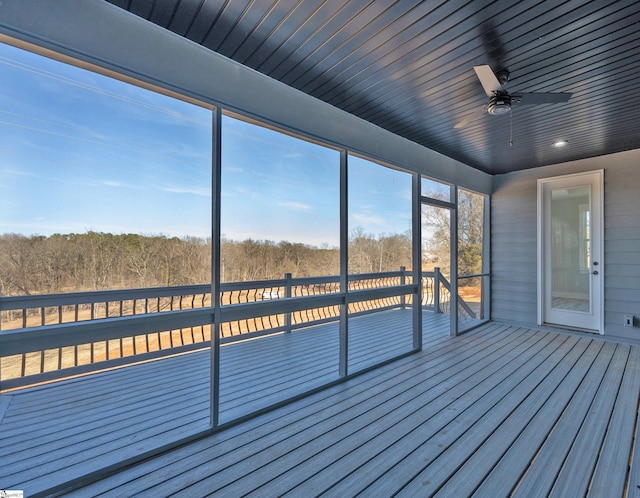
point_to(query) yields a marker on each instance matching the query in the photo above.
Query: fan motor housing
(500, 103)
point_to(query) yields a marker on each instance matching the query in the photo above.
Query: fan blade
(488, 79)
(540, 98)
(471, 117)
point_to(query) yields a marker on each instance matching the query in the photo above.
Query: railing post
(436, 290)
(403, 281)
(287, 293)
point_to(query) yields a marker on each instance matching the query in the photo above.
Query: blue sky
(80, 151)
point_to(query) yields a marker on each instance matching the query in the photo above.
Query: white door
(570, 251)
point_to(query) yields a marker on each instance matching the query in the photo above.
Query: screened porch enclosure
(278, 248)
(179, 267)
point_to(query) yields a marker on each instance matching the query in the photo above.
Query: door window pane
(570, 249)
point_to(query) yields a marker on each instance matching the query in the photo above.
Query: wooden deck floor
(62, 431)
(500, 411)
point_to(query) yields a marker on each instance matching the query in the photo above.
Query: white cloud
(110, 183)
(233, 169)
(14, 172)
(202, 191)
(296, 206)
(367, 220)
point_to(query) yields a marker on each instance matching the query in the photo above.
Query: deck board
(343, 457)
(440, 474)
(425, 444)
(515, 461)
(478, 461)
(283, 437)
(64, 430)
(543, 471)
(611, 469)
(291, 417)
(575, 475)
(4, 405)
(374, 425)
(497, 411)
(529, 374)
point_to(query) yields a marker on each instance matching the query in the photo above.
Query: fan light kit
(499, 104)
(500, 100)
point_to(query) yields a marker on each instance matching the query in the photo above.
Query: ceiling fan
(500, 100)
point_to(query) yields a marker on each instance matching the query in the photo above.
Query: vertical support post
(486, 260)
(403, 282)
(436, 290)
(454, 264)
(343, 361)
(215, 264)
(416, 260)
(287, 293)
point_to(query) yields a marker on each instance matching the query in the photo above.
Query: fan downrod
(503, 76)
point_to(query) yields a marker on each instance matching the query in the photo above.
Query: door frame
(453, 241)
(596, 176)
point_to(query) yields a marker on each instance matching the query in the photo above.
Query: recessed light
(560, 143)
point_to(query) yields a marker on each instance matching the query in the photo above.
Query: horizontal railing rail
(47, 336)
(71, 298)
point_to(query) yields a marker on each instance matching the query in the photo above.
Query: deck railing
(50, 356)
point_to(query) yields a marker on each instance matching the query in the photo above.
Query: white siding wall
(513, 238)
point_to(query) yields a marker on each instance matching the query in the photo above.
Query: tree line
(99, 261)
(94, 261)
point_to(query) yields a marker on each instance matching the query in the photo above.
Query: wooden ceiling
(407, 66)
